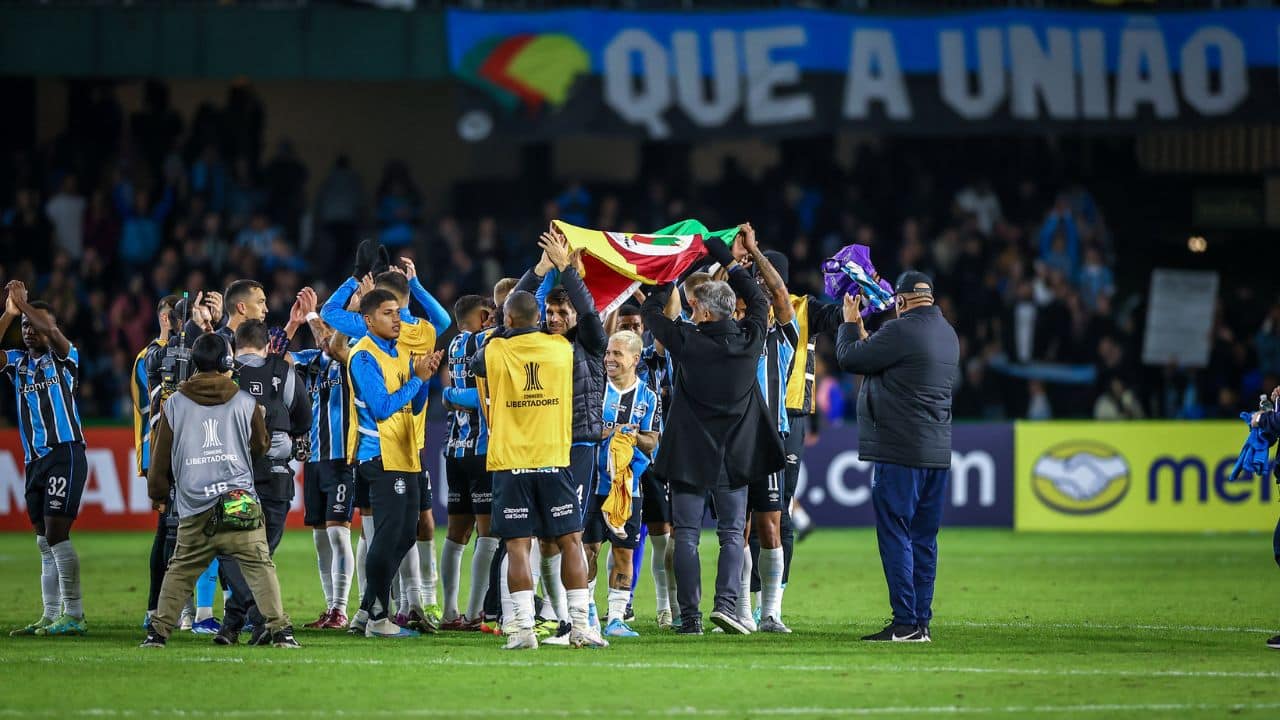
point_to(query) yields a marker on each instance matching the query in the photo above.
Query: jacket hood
(209, 388)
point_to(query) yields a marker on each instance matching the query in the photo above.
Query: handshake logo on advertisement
(1081, 477)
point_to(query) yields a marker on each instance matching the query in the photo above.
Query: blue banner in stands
(668, 75)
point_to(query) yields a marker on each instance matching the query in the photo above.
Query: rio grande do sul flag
(616, 263)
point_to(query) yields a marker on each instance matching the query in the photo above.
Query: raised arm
(664, 329)
(43, 322)
(436, 314)
(860, 354)
(335, 313)
(778, 295)
(757, 320)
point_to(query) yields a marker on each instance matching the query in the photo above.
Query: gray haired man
(205, 440)
(718, 435)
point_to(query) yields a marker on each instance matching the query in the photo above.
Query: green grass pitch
(1058, 626)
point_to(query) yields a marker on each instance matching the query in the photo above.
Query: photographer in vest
(271, 381)
(204, 442)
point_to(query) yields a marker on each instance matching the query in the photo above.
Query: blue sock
(637, 561)
(207, 585)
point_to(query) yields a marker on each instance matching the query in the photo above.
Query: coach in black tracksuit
(909, 367)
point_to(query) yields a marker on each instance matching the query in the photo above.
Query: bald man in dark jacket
(908, 369)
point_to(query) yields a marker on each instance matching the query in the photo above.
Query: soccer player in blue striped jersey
(630, 407)
(45, 377)
(328, 481)
(766, 497)
(470, 495)
(655, 370)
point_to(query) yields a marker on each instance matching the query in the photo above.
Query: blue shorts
(540, 503)
(55, 483)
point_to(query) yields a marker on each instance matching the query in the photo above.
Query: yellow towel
(617, 506)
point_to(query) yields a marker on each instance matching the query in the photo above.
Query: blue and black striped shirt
(326, 381)
(45, 388)
(468, 431)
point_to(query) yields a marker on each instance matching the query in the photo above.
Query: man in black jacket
(909, 367)
(571, 313)
(719, 433)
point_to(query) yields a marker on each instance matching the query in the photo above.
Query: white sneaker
(188, 617)
(557, 641)
(522, 640)
(664, 620)
(748, 622)
(385, 628)
(589, 638)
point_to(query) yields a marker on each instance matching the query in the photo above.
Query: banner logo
(525, 69)
(653, 245)
(211, 438)
(531, 381)
(1080, 477)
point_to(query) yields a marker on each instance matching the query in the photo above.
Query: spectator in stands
(980, 201)
(339, 209)
(1268, 342)
(66, 211)
(1060, 239)
(26, 231)
(399, 206)
(1118, 402)
(143, 224)
(259, 237)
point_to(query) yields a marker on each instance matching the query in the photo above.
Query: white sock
(450, 577)
(427, 584)
(591, 601)
(618, 600)
(481, 559)
(362, 549)
(553, 584)
(324, 562)
(48, 580)
(744, 585)
(410, 582)
(504, 595)
(535, 564)
(68, 562)
(340, 545)
(522, 608)
(203, 613)
(658, 566)
(771, 560)
(578, 600)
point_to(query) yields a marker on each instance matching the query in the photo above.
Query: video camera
(175, 364)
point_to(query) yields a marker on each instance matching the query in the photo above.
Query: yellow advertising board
(1137, 476)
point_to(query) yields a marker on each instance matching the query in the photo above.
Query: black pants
(241, 606)
(493, 598)
(394, 496)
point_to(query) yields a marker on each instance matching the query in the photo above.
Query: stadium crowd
(118, 211)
